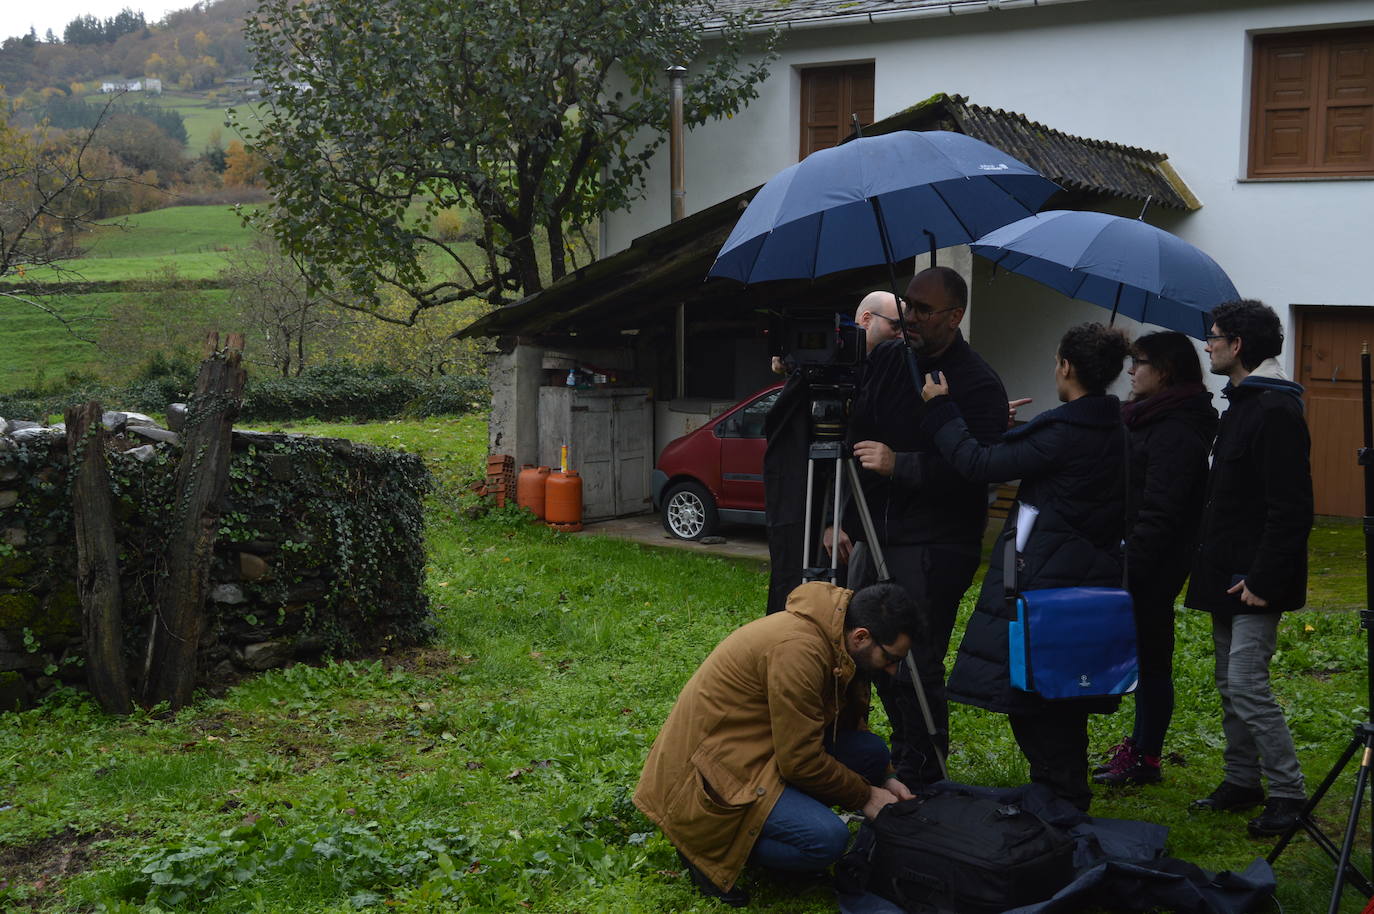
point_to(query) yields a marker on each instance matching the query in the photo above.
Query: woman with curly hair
(1071, 462)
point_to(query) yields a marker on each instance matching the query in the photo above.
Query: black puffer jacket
(1071, 463)
(924, 501)
(1171, 436)
(1258, 512)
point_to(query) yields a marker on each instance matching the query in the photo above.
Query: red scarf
(1140, 412)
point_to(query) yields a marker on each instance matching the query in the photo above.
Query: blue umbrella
(878, 200)
(1127, 265)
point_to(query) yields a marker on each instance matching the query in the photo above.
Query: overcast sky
(18, 15)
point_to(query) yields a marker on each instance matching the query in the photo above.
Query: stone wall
(320, 551)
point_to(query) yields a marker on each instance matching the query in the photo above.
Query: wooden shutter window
(1312, 104)
(828, 96)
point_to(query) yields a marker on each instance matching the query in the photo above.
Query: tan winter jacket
(753, 716)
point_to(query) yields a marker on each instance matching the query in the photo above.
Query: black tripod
(1363, 739)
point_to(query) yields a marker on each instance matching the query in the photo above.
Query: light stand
(1363, 738)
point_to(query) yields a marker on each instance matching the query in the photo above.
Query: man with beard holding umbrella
(929, 520)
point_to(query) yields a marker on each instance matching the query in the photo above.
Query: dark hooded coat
(1071, 463)
(1171, 436)
(1258, 511)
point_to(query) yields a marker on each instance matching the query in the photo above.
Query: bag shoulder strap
(1125, 507)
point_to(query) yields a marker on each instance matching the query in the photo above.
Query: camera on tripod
(829, 354)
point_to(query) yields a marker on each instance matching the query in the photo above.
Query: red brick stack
(501, 478)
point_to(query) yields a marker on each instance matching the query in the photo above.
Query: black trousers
(936, 576)
(1055, 742)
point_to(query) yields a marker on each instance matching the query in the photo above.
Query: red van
(715, 473)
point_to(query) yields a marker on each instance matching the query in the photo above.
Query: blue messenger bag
(1073, 642)
(1070, 642)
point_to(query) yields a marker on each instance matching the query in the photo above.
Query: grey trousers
(1257, 737)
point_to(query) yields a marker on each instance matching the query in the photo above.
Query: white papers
(1025, 523)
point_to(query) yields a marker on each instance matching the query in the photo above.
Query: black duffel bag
(947, 850)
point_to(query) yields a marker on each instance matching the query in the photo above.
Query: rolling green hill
(195, 240)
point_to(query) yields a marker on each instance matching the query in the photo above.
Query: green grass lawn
(195, 240)
(491, 771)
(201, 116)
(38, 349)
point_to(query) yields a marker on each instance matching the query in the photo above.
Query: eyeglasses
(889, 656)
(1213, 337)
(923, 312)
(896, 324)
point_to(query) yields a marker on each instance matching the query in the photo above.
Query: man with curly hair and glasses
(1250, 566)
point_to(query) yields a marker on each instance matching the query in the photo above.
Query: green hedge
(330, 392)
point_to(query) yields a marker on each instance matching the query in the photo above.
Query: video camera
(828, 352)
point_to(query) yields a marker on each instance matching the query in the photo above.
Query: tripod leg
(1348, 845)
(806, 529)
(925, 713)
(835, 545)
(865, 518)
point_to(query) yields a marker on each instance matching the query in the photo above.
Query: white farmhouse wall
(1162, 74)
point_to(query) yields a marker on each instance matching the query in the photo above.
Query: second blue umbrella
(1126, 265)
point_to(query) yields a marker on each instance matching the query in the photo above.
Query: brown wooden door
(1329, 368)
(829, 95)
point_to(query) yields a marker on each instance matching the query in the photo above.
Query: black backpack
(948, 850)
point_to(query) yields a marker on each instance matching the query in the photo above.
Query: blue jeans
(802, 834)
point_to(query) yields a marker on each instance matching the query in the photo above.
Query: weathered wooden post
(97, 559)
(202, 478)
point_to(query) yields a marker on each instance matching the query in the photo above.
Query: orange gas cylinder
(529, 488)
(563, 501)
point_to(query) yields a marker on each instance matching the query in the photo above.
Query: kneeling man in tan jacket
(771, 732)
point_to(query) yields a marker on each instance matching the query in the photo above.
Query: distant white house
(150, 85)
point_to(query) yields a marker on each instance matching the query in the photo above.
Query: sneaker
(1123, 753)
(1144, 771)
(1230, 797)
(735, 898)
(1280, 815)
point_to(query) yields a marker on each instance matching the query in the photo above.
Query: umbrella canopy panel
(1128, 265)
(818, 216)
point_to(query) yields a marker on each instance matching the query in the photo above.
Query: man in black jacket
(1251, 561)
(929, 520)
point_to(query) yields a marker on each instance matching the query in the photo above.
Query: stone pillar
(514, 424)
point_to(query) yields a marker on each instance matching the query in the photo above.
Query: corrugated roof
(1076, 163)
(785, 13)
(668, 266)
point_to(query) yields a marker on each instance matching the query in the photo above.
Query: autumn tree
(536, 115)
(51, 189)
(277, 306)
(242, 167)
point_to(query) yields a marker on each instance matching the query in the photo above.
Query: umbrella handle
(892, 277)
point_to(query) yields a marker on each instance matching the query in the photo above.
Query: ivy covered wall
(320, 551)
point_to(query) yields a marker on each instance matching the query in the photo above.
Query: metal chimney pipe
(677, 168)
(677, 179)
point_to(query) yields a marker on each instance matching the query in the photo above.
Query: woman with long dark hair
(1172, 424)
(1071, 461)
